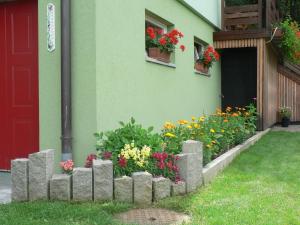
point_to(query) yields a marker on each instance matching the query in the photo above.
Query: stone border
(212, 169)
(34, 178)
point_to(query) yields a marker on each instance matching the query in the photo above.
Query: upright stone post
(60, 187)
(190, 164)
(82, 184)
(19, 179)
(161, 188)
(103, 180)
(142, 187)
(123, 189)
(41, 168)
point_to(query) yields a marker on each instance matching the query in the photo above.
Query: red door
(19, 127)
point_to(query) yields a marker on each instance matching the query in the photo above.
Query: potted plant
(206, 59)
(159, 45)
(285, 115)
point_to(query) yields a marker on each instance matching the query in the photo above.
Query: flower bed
(134, 164)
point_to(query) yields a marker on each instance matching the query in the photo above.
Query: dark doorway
(239, 74)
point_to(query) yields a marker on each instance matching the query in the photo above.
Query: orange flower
(225, 121)
(234, 114)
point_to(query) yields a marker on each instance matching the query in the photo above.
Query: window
(160, 27)
(199, 48)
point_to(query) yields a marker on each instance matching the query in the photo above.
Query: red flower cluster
(154, 32)
(168, 40)
(89, 160)
(106, 155)
(209, 56)
(122, 162)
(166, 161)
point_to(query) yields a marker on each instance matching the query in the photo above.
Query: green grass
(262, 186)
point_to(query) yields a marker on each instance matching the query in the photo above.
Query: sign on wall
(51, 27)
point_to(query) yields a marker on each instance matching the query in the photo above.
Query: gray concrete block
(60, 187)
(178, 188)
(123, 189)
(191, 146)
(82, 184)
(142, 187)
(103, 180)
(19, 179)
(161, 188)
(41, 168)
(190, 170)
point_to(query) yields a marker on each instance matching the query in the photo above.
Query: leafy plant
(218, 132)
(285, 112)
(290, 42)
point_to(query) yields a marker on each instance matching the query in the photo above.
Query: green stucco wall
(83, 80)
(111, 80)
(128, 86)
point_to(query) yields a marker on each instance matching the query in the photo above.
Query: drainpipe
(66, 110)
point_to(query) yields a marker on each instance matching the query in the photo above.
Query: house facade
(57, 87)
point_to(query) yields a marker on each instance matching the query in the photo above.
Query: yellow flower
(193, 118)
(202, 119)
(208, 146)
(222, 131)
(196, 125)
(214, 142)
(145, 152)
(212, 131)
(189, 126)
(170, 135)
(183, 122)
(169, 125)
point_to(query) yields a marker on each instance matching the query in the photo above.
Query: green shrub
(290, 42)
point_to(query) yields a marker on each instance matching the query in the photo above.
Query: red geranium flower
(182, 47)
(162, 41)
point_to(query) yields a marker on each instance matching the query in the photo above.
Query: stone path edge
(212, 169)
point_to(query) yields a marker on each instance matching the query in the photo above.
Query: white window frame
(196, 53)
(157, 23)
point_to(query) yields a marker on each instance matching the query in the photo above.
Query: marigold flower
(234, 114)
(225, 121)
(183, 122)
(169, 126)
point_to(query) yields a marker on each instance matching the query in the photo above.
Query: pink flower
(67, 166)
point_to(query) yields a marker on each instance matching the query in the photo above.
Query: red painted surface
(19, 127)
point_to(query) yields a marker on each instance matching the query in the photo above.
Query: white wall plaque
(51, 27)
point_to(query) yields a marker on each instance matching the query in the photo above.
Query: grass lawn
(262, 186)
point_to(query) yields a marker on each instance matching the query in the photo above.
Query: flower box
(201, 68)
(157, 54)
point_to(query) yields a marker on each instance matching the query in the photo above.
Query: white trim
(156, 22)
(151, 60)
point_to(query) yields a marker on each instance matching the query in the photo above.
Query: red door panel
(19, 129)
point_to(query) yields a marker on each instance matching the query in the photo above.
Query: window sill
(151, 60)
(200, 73)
